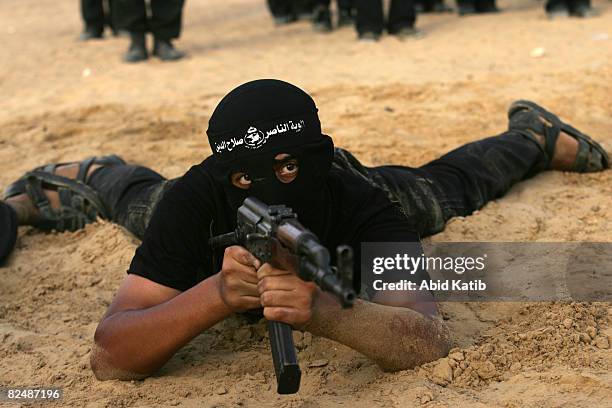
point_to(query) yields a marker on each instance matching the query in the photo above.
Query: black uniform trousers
(95, 15)
(478, 5)
(570, 5)
(164, 22)
(342, 4)
(370, 16)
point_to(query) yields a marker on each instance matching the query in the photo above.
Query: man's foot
(441, 7)
(165, 51)
(321, 19)
(565, 147)
(120, 33)
(583, 11)
(558, 11)
(138, 49)
(302, 10)
(345, 18)
(407, 33)
(369, 36)
(91, 33)
(57, 196)
(466, 9)
(284, 19)
(27, 213)
(488, 8)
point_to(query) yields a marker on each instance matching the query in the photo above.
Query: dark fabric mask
(259, 120)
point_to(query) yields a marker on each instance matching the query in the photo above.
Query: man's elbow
(102, 367)
(431, 346)
(392, 363)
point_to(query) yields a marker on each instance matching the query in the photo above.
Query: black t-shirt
(175, 250)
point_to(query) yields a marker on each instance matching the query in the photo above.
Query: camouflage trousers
(456, 184)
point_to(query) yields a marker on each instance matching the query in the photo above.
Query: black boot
(368, 36)
(165, 51)
(91, 33)
(465, 8)
(321, 19)
(284, 19)
(582, 11)
(138, 48)
(441, 7)
(556, 9)
(345, 17)
(407, 33)
(486, 6)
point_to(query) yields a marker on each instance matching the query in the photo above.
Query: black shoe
(369, 36)
(321, 19)
(583, 11)
(489, 8)
(91, 33)
(345, 18)
(408, 33)
(284, 19)
(165, 51)
(441, 7)
(138, 49)
(466, 9)
(121, 33)
(557, 11)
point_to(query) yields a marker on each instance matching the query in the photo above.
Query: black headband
(261, 136)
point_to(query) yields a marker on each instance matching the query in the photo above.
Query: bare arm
(396, 338)
(147, 323)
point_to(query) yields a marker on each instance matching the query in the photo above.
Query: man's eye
(241, 180)
(287, 172)
(289, 168)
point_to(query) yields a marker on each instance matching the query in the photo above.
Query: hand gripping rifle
(274, 235)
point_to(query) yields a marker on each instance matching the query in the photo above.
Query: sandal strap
(79, 203)
(19, 186)
(75, 186)
(528, 123)
(84, 168)
(591, 155)
(551, 135)
(35, 191)
(582, 157)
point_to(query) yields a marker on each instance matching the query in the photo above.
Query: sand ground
(391, 102)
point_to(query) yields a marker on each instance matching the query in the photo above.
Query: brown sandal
(591, 155)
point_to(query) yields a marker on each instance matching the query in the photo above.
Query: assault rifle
(274, 235)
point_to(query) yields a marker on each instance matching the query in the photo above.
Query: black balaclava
(8, 231)
(254, 123)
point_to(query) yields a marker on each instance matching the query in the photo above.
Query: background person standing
(96, 14)
(565, 8)
(371, 21)
(289, 11)
(164, 22)
(322, 16)
(467, 7)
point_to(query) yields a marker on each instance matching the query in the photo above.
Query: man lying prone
(267, 143)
